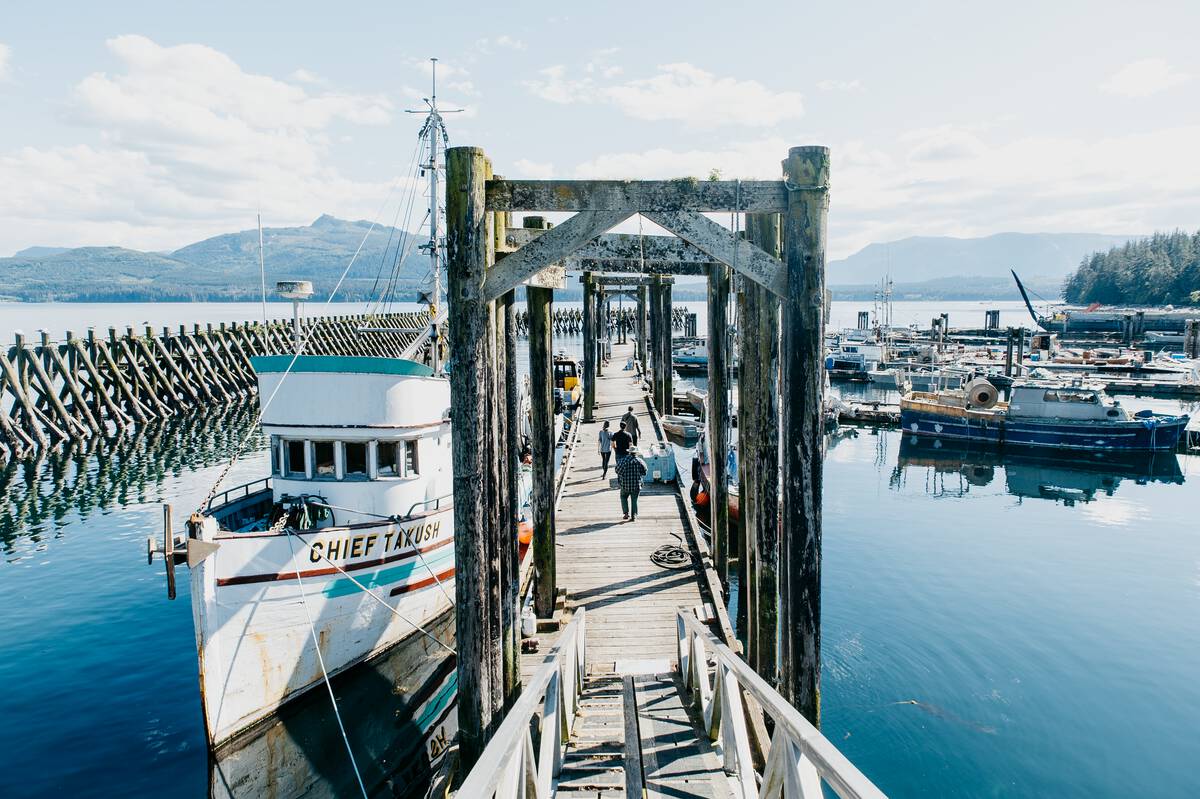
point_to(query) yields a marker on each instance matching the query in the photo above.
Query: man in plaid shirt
(630, 471)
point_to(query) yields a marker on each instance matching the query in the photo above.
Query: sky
(152, 125)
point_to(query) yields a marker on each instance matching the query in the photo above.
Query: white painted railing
(511, 766)
(800, 757)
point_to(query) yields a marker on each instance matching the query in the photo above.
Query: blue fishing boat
(1060, 415)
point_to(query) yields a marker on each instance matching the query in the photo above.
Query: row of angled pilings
(781, 386)
(484, 416)
(55, 391)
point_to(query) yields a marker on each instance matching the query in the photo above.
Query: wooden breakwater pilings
(82, 386)
(569, 321)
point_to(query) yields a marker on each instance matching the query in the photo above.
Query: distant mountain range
(223, 267)
(226, 267)
(1041, 256)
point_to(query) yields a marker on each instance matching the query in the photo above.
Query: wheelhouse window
(355, 460)
(294, 458)
(411, 464)
(388, 462)
(324, 463)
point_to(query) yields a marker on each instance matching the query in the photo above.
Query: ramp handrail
(512, 765)
(800, 757)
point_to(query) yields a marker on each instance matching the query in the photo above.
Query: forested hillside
(1163, 269)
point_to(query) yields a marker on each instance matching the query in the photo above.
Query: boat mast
(434, 134)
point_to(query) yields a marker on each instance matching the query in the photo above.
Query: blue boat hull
(1155, 433)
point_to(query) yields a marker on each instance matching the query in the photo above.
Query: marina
(594, 463)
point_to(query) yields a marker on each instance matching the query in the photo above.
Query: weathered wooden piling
(758, 450)
(541, 384)
(643, 325)
(806, 174)
(589, 346)
(1191, 338)
(467, 252)
(719, 413)
(666, 387)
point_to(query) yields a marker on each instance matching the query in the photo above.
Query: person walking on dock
(629, 422)
(630, 471)
(606, 438)
(621, 442)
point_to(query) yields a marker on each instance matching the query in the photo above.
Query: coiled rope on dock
(671, 556)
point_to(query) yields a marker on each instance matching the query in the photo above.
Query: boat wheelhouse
(349, 544)
(1075, 415)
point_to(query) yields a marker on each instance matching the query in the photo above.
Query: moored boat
(349, 544)
(1075, 415)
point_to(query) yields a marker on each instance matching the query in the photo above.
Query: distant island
(225, 267)
(1163, 269)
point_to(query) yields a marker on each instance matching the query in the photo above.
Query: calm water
(993, 626)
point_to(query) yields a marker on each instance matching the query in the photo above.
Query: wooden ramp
(604, 565)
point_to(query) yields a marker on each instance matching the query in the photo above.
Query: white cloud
(304, 76)
(5, 61)
(840, 85)
(678, 92)
(532, 170)
(188, 144)
(1145, 77)
(505, 40)
(965, 181)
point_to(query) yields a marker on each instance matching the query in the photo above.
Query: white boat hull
(252, 614)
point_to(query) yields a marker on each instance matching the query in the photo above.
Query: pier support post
(758, 442)
(510, 560)
(642, 326)
(541, 383)
(665, 328)
(652, 351)
(467, 244)
(1191, 338)
(806, 171)
(589, 346)
(718, 414)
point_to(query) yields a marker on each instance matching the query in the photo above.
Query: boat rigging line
(370, 593)
(324, 672)
(301, 344)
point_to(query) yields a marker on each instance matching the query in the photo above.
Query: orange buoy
(702, 499)
(525, 532)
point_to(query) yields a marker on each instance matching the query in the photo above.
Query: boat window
(389, 465)
(1070, 396)
(323, 462)
(411, 465)
(356, 460)
(294, 450)
(276, 456)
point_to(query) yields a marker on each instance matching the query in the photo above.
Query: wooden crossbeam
(550, 247)
(688, 194)
(634, 267)
(621, 280)
(722, 245)
(623, 247)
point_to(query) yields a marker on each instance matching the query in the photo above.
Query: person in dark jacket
(621, 442)
(630, 423)
(630, 471)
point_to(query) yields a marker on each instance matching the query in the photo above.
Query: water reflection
(39, 493)
(953, 469)
(399, 715)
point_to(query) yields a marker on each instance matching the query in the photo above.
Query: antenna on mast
(432, 131)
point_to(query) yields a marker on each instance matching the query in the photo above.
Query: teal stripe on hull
(436, 706)
(438, 561)
(341, 364)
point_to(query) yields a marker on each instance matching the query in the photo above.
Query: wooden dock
(604, 566)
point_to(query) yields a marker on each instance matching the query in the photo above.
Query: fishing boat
(344, 552)
(1075, 415)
